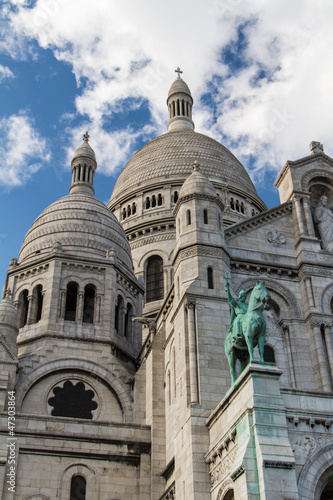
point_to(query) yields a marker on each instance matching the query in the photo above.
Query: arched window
(154, 279)
(229, 495)
(232, 204)
(38, 296)
(117, 319)
(88, 304)
(269, 355)
(210, 278)
(128, 210)
(78, 488)
(147, 203)
(71, 301)
(159, 199)
(242, 208)
(124, 213)
(133, 208)
(331, 305)
(153, 201)
(188, 217)
(205, 216)
(175, 196)
(23, 308)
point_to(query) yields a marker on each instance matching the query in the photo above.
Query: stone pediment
(256, 222)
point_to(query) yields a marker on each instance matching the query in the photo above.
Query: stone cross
(179, 71)
(86, 137)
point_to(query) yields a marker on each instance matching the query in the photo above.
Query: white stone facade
(114, 322)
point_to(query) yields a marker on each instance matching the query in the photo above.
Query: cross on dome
(179, 71)
(86, 137)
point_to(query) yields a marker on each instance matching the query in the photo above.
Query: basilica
(115, 380)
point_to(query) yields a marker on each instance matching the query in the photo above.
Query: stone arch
(83, 365)
(282, 295)
(37, 497)
(225, 487)
(313, 174)
(82, 470)
(143, 261)
(310, 482)
(326, 298)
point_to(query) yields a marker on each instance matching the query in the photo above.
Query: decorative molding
(273, 271)
(219, 472)
(32, 272)
(170, 493)
(322, 256)
(275, 464)
(309, 270)
(152, 239)
(235, 475)
(275, 237)
(125, 283)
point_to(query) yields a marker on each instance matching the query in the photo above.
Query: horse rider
(238, 309)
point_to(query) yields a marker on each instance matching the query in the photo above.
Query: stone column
(299, 215)
(192, 353)
(31, 310)
(308, 216)
(79, 307)
(63, 296)
(97, 315)
(329, 346)
(308, 283)
(322, 365)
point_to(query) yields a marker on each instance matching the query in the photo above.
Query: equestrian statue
(247, 327)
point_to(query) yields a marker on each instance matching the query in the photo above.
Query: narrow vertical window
(188, 217)
(71, 301)
(24, 307)
(128, 321)
(205, 216)
(78, 488)
(159, 199)
(147, 202)
(210, 278)
(175, 196)
(154, 279)
(39, 302)
(88, 304)
(117, 322)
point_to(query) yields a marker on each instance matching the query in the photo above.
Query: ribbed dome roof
(197, 183)
(84, 151)
(169, 159)
(179, 86)
(82, 225)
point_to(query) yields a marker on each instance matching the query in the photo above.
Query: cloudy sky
(260, 72)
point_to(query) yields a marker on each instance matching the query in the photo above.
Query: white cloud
(22, 150)
(130, 48)
(5, 73)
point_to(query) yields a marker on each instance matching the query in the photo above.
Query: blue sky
(260, 73)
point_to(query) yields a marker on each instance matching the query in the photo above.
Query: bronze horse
(253, 332)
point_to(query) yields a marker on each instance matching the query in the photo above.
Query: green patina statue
(247, 326)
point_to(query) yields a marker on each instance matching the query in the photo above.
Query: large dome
(169, 159)
(78, 225)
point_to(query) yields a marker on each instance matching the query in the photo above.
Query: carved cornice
(147, 240)
(308, 270)
(125, 283)
(315, 173)
(276, 464)
(198, 196)
(270, 271)
(258, 220)
(28, 273)
(197, 250)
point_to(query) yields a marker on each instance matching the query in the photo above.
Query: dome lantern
(180, 104)
(83, 168)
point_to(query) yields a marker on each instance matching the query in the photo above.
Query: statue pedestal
(252, 416)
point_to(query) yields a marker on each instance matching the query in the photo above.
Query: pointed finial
(179, 71)
(196, 166)
(86, 137)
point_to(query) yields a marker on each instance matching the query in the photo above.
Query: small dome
(179, 86)
(78, 225)
(8, 313)
(197, 183)
(85, 150)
